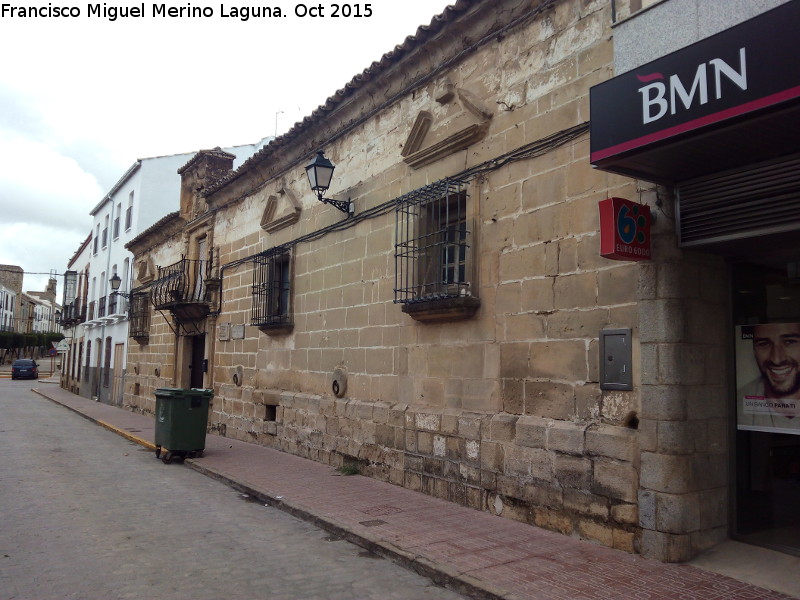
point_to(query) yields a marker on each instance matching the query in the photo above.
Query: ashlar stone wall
(503, 411)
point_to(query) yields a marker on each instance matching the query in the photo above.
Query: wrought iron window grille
(139, 316)
(272, 289)
(433, 244)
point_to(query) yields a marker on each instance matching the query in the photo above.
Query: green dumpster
(181, 422)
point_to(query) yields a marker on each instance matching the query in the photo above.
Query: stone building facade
(446, 336)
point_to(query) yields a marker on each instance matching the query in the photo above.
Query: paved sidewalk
(471, 551)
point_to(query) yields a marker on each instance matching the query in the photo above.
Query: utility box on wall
(616, 356)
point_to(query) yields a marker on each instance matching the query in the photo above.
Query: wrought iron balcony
(117, 304)
(181, 289)
(73, 314)
(101, 307)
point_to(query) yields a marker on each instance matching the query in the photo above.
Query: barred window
(139, 316)
(272, 290)
(432, 253)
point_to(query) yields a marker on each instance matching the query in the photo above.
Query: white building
(148, 191)
(76, 292)
(8, 303)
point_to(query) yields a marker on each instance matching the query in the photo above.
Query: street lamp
(115, 282)
(320, 173)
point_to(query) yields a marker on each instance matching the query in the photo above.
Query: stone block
(566, 437)
(681, 437)
(597, 532)
(664, 402)
(537, 294)
(514, 360)
(532, 431)
(619, 443)
(549, 400)
(617, 285)
(571, 324)
(615, 479)
(425, 443)
(670, 474)
(552, 520)
(709, 471)
(565, 360)
(573, 471)
(624, 540)
(661, 321)
(502, 428)
(677, 513)
(588, 398)
(427, 422)
(492, 456)
(627, 514)
(586, 503)
(666, 547)
(513, 396)
(517, 463)
(575, 291)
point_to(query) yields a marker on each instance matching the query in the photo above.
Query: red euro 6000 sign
(624, 229)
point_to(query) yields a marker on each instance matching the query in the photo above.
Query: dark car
(24, 368)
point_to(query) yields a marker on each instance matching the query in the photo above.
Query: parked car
(24, 368)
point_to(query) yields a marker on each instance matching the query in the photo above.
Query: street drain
(373, 523)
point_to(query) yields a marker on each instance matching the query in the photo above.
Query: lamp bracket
(346, 206)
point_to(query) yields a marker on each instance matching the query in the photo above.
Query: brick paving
(475, 552)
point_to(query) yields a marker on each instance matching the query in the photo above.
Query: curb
(439, 574)
(113, 428)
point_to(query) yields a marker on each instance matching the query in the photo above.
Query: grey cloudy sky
(82, 98)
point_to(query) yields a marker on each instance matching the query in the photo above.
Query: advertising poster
(768, 377)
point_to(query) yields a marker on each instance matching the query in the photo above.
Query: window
(139, 315)
(433, 270)
(105, 233)
(96, 238)
(116, 220)
(129, 213)
(272, 290)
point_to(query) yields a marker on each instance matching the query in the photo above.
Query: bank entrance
(765, 302)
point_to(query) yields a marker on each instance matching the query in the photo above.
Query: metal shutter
(748, 202)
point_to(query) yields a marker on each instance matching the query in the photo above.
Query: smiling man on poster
(771, 401)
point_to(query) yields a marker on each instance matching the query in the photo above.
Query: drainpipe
(103, 349)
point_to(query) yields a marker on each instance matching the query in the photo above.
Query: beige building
(458, 332)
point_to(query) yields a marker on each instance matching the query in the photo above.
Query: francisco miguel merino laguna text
(112, 13)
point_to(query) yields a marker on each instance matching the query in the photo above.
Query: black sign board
(748, 68)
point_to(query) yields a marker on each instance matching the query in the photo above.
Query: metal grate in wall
(745, 203)
(432, 243)
(272, 289)
(139, 316)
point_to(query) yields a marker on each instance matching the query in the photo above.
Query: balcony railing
(73, 313)
(181, 284)
(101, 307)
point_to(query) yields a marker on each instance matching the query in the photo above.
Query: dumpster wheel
(158, 451)
(167, 458)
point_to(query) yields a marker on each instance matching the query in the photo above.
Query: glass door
(766, 318)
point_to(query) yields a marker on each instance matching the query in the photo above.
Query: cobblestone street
(89, 515)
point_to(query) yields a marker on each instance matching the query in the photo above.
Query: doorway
(766, 319)
(119, 374)
(197, 364)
